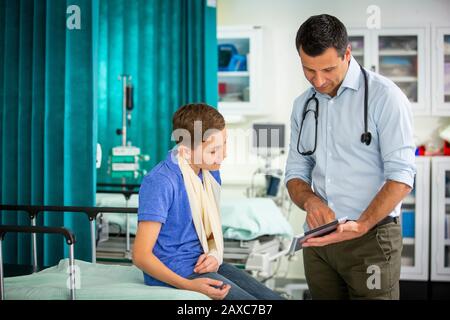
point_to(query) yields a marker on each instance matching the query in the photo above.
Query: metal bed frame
(33, 211)
(70, 241)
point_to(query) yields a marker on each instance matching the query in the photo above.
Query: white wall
(282, 76)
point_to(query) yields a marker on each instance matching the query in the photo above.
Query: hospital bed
(256, 234)
(73, 278)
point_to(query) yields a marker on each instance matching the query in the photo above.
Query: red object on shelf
(446, 148)
(222, 88)
(420, 151)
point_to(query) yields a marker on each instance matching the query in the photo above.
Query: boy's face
(210, 154)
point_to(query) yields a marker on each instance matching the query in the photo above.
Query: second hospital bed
(253, 230)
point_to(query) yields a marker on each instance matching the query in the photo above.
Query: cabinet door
(440, 220)
(360, 42)
(441, 71)
(415, 219)
(401, 56)
(239, 50)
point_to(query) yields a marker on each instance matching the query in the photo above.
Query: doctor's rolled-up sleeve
(297, 166)
(394, 120)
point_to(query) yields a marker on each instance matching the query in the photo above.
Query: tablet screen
(321, 231)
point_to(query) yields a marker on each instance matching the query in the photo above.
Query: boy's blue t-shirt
(163, 198)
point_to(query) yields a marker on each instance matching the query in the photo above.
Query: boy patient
(179, 241)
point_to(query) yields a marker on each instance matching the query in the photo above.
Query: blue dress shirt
(345, 173)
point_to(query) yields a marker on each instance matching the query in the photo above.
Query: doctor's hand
(346, 231)
(318, 213)
(206, 263)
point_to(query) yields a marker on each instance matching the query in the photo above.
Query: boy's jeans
(243, 285)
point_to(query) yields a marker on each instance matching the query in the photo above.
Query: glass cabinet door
(403, 59)
(440, 258)
(357, 45)
(445, 216)
(407, 221)
(414, 219)
(398, 61)
(234, 78)
(240, 66)
(447, 68)
(441, 70)
(360, 42)
(447, 221)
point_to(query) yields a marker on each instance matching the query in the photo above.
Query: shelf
(403, 79)
(358, 53)
(409, 241)
(447, 242)
(240, 87)
(398, 52)
(447, 201)
(230, 119)
(234, 74)
(409, 200)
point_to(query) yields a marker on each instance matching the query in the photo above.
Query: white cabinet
(441, 71)
(440, 219)
(240, 66)
(417, 261)
(361, 43)
(415, 222)
(401, 55)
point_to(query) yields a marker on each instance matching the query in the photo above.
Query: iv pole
(124, 78)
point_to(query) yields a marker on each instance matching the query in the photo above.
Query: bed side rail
(91, 213)
(70, 241)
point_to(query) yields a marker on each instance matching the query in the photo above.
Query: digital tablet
(321, 231)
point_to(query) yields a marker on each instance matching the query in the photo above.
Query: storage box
(408, 224)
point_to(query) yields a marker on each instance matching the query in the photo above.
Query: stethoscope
(366, 137)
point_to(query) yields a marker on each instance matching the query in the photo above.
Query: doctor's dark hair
(192, 117)
(321, 32)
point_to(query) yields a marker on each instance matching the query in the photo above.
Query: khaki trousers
(364, 268)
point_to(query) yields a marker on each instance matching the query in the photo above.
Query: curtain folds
(48, 121)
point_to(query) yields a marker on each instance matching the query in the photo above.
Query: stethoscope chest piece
(366, 138)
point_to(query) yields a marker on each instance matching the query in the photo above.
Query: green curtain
(48, 120)
(170, 50)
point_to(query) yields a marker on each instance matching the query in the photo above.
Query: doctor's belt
(384, 221)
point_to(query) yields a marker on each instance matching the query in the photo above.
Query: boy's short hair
(194, 116)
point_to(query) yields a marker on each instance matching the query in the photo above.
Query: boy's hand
(214, 289)
(206, 263)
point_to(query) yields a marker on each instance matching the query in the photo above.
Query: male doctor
(351, 154)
